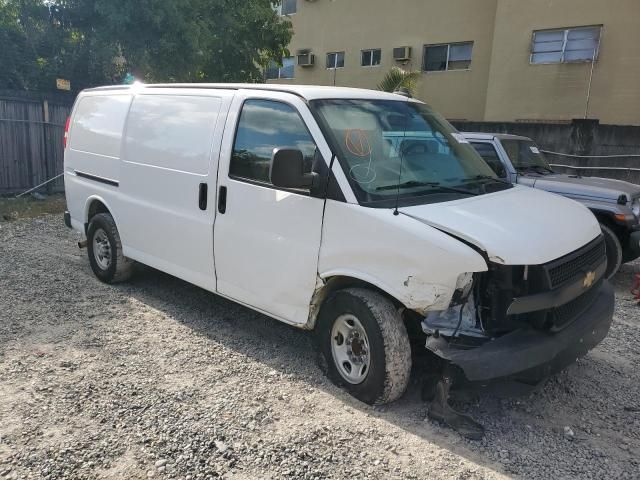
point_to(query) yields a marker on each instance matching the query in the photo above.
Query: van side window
(263, 126)
(489, 154)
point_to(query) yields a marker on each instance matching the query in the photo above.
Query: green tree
(93, 42)
(13, 43)
(29, 46)
(397, 79)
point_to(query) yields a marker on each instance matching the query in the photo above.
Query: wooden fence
(31, 140)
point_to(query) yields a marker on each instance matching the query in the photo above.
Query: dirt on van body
(158, 378)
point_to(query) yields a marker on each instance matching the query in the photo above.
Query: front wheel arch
(341, 282)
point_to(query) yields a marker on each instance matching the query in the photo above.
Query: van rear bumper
(530, 355)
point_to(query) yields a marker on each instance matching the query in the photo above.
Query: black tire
(387, 376)
(614, 251)
(120, 268)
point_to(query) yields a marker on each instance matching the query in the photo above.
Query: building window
(450, 56)
(335, 60)
(371, 58)
(566, 45)
(287, 7)
(274, 71)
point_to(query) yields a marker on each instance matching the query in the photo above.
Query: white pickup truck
(327, 209)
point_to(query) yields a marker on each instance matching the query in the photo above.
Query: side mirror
(287, 169)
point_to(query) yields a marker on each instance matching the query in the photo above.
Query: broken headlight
(461, 318)
(464, 284)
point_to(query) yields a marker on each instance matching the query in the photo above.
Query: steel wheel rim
(102, 249)
(350, 349)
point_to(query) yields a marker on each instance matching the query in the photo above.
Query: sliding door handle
(222, 199)
(202, 196)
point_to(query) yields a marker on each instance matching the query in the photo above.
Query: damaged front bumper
(530, 354)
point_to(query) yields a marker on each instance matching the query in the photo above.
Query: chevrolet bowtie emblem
(589, 279)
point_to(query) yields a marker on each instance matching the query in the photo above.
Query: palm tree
(398, 79)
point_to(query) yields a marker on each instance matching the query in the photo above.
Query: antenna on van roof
(401, 155)
(395, 210)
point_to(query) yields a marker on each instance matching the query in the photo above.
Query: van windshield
(397, 150)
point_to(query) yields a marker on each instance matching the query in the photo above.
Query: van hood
(518, 226)
(584, 188)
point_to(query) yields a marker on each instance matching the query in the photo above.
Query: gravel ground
(157, 378)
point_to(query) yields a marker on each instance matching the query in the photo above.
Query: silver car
(615, 203)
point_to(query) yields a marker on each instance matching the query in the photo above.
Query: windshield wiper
(414, 183)
(489, 177)
(536, 168)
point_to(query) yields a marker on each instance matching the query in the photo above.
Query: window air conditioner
(402, 54)
(306, 59)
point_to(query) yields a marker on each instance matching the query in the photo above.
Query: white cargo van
(358, 214)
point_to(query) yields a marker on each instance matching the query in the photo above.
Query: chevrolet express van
(362, 215)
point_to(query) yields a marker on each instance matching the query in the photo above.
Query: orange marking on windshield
(357, 142)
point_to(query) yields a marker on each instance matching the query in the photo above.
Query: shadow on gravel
(291, 351)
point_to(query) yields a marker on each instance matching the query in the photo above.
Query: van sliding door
(169, 170)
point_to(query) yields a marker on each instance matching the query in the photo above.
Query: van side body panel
(95, 134)
(418, 266)
(92, 157)
(170, 150)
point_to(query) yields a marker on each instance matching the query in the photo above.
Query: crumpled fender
(416, 264)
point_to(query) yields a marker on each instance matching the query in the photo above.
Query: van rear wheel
(364, 345)
(105, 250)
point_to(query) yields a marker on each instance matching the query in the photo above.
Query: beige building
(481, 60)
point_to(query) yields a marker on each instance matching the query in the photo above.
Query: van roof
(308, 92)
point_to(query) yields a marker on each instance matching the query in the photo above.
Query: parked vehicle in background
(301, 202)
(615, 203)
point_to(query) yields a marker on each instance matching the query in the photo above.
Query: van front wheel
(365, 346)
(105, 250)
